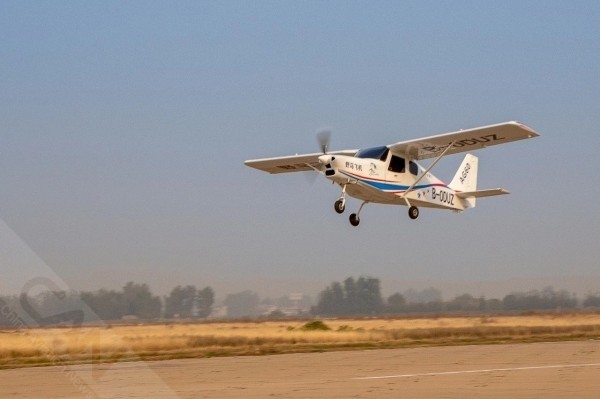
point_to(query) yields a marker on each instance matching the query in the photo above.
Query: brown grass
(147, 342)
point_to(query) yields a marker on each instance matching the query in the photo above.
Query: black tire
(413, 212)
(339, 206)
(354, 220)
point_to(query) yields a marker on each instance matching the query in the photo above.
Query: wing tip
(532, 133)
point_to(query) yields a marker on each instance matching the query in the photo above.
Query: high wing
(292, 163)
(464, 140)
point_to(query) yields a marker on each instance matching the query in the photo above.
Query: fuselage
(378, 176)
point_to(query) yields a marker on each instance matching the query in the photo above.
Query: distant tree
(351, 302)
(180, 302)
(106, 305)
(8, 312)
(57, 307)
(205, 298)
(493, 305)
(140, 301)
(464, 303)
(354, 297)
(55, 302)
(326, 304)
(369, 296)
(242, 304)
(512, 301)
(396, 303)
(561, 299)
(592, 301)
(189, 302)
(338, 298)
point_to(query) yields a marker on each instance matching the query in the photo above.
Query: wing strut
(427, 171)
(313, 168)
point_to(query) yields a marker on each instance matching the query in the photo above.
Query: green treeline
(134, 301)
(352, 297)
(363, 297)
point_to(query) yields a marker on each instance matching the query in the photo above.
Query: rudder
(465, 179)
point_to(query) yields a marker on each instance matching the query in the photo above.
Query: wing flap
(482, 193)
(464, 140)
(292, 163)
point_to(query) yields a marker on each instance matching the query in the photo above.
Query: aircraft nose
(325, 159)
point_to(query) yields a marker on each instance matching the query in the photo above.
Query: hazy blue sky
(125, 126)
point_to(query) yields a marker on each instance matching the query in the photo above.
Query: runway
(540, 370)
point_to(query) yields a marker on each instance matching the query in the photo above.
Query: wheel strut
(354, 218)
(340, 204)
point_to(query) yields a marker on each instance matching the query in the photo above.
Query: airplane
(390, 174)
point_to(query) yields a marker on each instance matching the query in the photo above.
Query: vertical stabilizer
(465, 179)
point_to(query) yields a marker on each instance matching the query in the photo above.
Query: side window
(383, 156)
(397, 164)
(414, 169)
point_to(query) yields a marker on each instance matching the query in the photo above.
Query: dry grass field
(36, 347)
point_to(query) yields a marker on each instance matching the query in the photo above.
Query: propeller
(324, 137)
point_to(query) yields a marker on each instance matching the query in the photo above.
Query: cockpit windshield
(373, 153)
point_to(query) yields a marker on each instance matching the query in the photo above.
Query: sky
(125, 126)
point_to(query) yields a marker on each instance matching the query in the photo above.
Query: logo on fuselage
(373, 170)
(354, 166)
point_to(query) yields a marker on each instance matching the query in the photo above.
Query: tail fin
(465, 179)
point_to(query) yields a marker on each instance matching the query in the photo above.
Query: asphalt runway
(540, 370)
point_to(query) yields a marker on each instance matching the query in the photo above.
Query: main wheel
(339, 206)
(413, 212)
(354, 220)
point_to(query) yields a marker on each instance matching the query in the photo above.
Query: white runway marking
(555, 366)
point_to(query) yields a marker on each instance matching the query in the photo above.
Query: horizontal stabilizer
(482, 193)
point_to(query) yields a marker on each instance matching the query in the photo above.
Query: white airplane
(391, 175)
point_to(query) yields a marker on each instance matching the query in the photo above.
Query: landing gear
(340, 205)
(413, 212)
(354, 218)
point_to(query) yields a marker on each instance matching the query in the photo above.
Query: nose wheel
(340, 205)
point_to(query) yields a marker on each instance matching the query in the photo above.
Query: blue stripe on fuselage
(387, 186)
